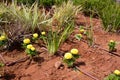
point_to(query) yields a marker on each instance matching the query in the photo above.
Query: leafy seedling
(78, 36)
(112, 46)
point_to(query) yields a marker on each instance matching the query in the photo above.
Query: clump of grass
(53, 40)
(65, 13)
(61, 26)
(23, 20)
(107, 10)
(29, 17)
(110, 16)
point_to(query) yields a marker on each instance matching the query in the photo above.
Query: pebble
(58, 64)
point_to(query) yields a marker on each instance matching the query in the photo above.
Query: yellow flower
(29, 46)
(111, 41)
(3, 37)
(82, 30)
(35, 35)
(43, 33)
(32, 49)
(117, 72)
(26, 41)
(79, 35)
(74, 51)
(68, 56)
(0, 39)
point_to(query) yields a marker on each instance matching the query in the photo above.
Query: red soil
(93, 60)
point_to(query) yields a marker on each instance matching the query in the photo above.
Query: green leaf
(78, 37)
(112, 77)
(76, 56)
(69, 62)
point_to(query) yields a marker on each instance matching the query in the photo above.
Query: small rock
(62, 67)
(58, 64)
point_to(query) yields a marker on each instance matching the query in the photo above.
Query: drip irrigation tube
(85, 73)
(97, 46)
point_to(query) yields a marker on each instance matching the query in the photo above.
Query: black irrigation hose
(97, 46)
(25, 58)
(17, 61)
(85, 73)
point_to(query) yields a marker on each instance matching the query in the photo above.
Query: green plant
(53, 40)
(28, 2)
(65, 13)
(2, 64)
(110, 16)
(112, 45)
(113, 76)
(74, 53)
(89, 34)
(35, 37)
(107, 10)
(29, 18)
(30, 50)
(82, 30)
(61, 26)
(70, 57)
(43, 33)
(23, 20)
(3, 40)
(26, 41)
(78, 36)
(3, 11)
(45, 3)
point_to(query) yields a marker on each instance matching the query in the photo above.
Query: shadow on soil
(79, 64)
(9, 76)
(38, 59)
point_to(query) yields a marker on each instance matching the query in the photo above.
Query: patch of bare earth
(93, 60)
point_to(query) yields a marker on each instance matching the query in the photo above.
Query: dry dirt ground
(94, 60)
